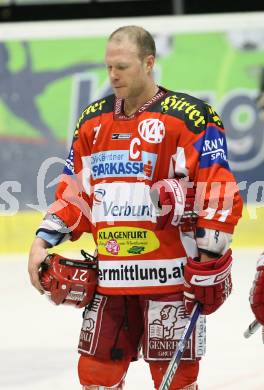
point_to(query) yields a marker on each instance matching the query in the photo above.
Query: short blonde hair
(138, 35)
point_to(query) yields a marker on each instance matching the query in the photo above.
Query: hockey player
(144, 142)
(257, 292)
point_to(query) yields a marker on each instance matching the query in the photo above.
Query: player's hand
(207, 282)
(38, 253)
(173, 200)
(256, 296)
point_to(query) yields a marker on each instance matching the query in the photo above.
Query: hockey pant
(116, 327)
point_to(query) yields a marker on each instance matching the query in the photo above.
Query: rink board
(229, 81)
(17, 232)
(217, 58)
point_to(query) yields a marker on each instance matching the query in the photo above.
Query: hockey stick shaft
(177, 355)
(252, 328)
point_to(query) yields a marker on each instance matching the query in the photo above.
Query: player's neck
(132, 104)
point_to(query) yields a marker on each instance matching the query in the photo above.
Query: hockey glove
(174, 203)
(208, 283)
(67, 281)
(257, 292)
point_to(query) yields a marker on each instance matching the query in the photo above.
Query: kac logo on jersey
(212, 148)
(152, 130)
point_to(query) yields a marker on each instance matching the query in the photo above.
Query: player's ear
(149, 62)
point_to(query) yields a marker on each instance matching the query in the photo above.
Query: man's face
(127, 72)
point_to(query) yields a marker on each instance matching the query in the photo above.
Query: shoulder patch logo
(152, 130)
(212, 148)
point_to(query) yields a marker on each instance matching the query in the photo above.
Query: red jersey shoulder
(195, 113)
(97, 108)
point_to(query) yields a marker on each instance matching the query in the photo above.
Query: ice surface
(38, 341)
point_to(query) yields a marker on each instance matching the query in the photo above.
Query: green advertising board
(46, 82)
(42, 75)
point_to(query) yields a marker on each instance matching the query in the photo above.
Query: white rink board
(247, 21)
(38, 341)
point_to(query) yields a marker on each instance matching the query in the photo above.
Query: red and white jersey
(112, 164)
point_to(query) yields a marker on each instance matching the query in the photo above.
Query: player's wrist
(212, 242)
(40, 243)
(206, 256)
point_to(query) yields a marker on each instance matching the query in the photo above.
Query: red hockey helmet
(68, 281)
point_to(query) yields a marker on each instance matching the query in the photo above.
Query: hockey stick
(252, 328)
(176, 357)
